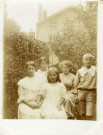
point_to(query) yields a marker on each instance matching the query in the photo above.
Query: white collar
(41, 71)
(91, 71)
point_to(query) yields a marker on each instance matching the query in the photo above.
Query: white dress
(52, 96)
(28, 90)
(42, 75)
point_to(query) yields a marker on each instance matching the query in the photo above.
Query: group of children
(46, 94)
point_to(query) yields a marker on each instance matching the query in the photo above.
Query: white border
(1, 56)
(58, 127)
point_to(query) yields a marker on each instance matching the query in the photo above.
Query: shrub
(78, 37)
(18, 49)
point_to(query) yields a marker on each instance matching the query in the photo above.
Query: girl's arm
(21, 98)
(77, 80)
(60, 103)
(40, 99)
(41, 95)
(74, 86)
(21, 94)
(62, 99)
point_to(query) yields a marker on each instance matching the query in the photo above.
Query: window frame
(52, 37)
(53, 24)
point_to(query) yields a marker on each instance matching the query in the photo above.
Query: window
(52, 38)
(52, 24)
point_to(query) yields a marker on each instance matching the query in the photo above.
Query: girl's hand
(75, 99)
(42, 115)
(74, 91)
(39, 100)
(59, 107)
(39, 103)
(35, 106)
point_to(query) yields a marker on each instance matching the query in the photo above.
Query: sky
(25, 12)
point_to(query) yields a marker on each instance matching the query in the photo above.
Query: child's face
(43, 66)
(87, 61)
(30, 70)
(65, 69)
(52, 77)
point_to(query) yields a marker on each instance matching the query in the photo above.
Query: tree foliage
(79, 36)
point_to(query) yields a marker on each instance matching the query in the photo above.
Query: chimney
(44, 15)
(40, 13)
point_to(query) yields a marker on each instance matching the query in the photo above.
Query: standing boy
(85, 83)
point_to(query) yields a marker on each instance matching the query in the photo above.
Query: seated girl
(28, 91)
(54, 93)
(68, 79)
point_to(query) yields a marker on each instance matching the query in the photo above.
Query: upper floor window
(53, 24)
(52, 38)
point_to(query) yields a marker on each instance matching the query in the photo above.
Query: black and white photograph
(51, 67)
(50, 60)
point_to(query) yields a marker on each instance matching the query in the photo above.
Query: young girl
(42, 72)
(68, 79)
(54, 93)
(28, 90)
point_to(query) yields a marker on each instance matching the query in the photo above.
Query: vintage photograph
(50, 60)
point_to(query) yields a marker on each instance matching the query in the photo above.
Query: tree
(78, 37)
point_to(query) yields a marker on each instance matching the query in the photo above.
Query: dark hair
(56, 71)
(43, 59)
(32, 63)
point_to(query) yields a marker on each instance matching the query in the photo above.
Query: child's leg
(68, 109)
(90, 104)
(82, 103)
(82, 109)
(76, 112)
(70, 105)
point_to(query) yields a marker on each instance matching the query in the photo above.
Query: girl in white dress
(54, 96)
(28, 90)
(42, 72)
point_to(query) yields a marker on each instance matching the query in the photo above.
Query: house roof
(57, 13)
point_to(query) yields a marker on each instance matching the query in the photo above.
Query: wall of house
(43, 30)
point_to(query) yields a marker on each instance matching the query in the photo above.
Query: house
(49, 26)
